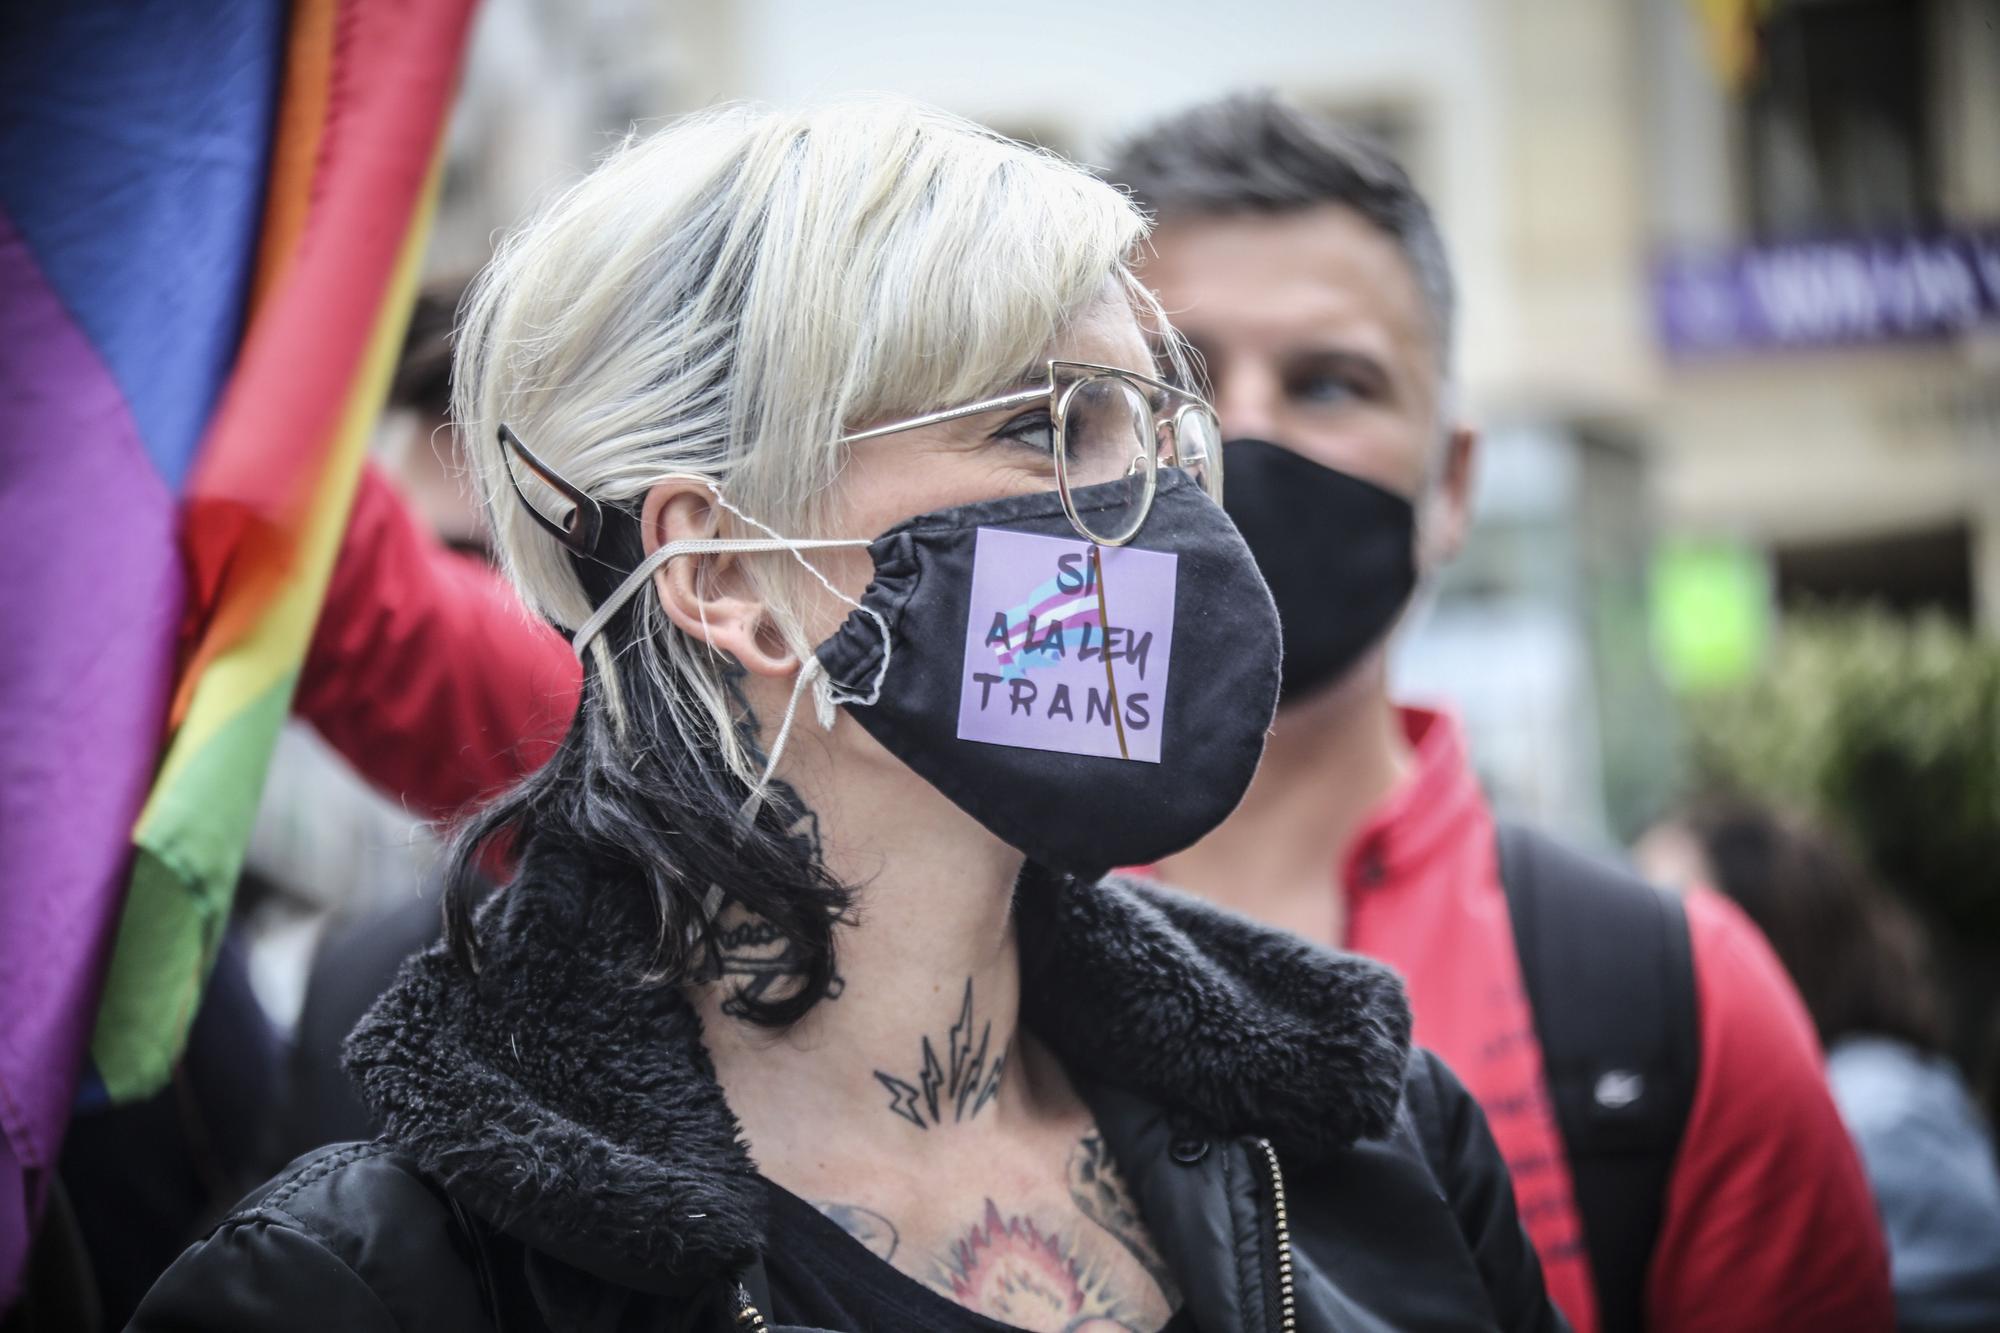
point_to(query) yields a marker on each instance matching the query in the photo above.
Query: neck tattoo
(747, 946)
(751, 948)
(956, 1089)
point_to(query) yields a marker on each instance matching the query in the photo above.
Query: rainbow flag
(211, 217)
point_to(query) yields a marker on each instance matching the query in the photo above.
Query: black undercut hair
(1256, 153)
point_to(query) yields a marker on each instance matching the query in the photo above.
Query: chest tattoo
(1037, 1270)
(1009, 1269)
(1100, 1194)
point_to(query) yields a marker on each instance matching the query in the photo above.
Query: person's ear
(1447, 514)
(708, 596)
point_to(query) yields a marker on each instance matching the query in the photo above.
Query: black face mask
(1084, 749)
(1338, 552)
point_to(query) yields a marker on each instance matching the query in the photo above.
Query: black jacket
(556, 1148)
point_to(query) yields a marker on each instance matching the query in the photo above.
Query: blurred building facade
(1827, 284)
(1682, 396)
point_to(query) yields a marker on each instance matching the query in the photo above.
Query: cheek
(821, 612)
(850, 571)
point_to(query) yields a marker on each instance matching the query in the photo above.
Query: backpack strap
(1610, 976)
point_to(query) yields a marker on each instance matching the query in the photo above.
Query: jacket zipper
(748, 1317)
(1288, 1320)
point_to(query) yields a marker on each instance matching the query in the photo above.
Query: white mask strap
(812, 668)
(828, 699)
(809, 670)
(694, 546)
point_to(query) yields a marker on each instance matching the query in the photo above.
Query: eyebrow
(1342, 358)
(1333, 352)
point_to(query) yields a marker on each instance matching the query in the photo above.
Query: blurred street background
(1722, 315)
(1729, 280)
(1729, 274)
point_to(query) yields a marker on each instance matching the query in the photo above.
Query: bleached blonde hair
(725, 298)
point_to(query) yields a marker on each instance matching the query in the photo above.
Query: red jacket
(1769, 1220)
(429, 676)
(425, 670)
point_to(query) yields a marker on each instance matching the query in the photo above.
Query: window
(1907, 572)
(1837, 135)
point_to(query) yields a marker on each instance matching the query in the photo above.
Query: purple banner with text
(1829, 293)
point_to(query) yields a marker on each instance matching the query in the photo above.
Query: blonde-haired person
(857, 465)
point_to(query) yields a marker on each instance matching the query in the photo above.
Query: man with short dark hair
(1646, 1067)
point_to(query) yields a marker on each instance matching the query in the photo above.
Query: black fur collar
(578, 1110)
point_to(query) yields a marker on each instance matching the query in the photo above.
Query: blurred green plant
(1886, 728)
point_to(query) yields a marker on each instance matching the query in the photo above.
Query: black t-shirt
(823, 1278)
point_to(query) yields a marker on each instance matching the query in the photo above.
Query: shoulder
(349, 1236)
(343, 1192)
(1751, 1013)
(1457, 1146)
(1461, 1156)
(1430, 1089)
(1449, 1128)
(1768, 1202)
(1762, 1096)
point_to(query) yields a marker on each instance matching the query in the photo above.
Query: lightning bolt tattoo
(955, 1089)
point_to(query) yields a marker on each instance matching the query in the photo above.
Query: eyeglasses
(1110, 432)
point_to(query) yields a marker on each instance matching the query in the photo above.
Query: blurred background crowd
(1730, 276)
(1731, 292)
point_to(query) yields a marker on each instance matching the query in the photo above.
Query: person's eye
(1031, 430)
(1326, 390)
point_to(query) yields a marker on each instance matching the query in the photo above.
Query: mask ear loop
(828, 698)
(810, 671)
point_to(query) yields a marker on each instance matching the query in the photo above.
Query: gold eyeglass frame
(1065, 379)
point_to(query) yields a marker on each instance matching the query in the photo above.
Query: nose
(1247, 399)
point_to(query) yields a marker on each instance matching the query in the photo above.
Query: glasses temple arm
(1019, 399)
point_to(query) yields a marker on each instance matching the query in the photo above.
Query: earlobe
(705, 594)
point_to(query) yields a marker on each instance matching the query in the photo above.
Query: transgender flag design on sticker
(1067, 646)
(1042, 631)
